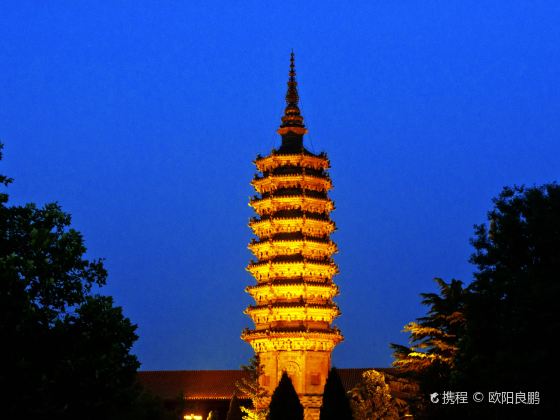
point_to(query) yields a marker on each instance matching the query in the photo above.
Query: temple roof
(193, 384)
(217, 384)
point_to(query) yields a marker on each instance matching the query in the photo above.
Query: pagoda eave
(269, 205)
(296, 130)
(272, 182)
(311, 226)
(300, 159)
(298, 287)
(292, 340)
(308, 247)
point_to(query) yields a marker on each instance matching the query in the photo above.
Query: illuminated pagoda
(294, 309)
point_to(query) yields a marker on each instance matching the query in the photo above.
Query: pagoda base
(308, 371)
(311, 406)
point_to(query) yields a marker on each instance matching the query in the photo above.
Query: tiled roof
(193, 384)
(215, 384)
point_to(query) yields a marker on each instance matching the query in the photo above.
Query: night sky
(142, 120)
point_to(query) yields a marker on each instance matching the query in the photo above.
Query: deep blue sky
(142, 119)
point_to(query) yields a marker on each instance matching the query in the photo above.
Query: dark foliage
(496, 335)
(434, 338)
(285, 404)
(65, 352)
(234, 411)
(336, 404)
(512, 307)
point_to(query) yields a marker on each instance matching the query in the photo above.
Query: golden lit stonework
(294, 309)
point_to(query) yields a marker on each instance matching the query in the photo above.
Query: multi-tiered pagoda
(294, 310)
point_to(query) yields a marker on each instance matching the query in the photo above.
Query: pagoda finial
(292, 121)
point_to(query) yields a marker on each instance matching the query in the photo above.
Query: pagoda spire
(292, 120)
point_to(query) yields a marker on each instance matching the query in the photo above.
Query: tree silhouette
(65, 352)
(492, 335)
(434, 337)
(234, 411)
(336, 405)
(512, 304)
(285, 404)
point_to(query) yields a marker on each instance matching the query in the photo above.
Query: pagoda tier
(294, 309)
(307, 246)
(272, 340)
(303, 159)
(314, 270)
(273, 203)
(292, 315)
(309, 224)
(292, 290)
(291, 180)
